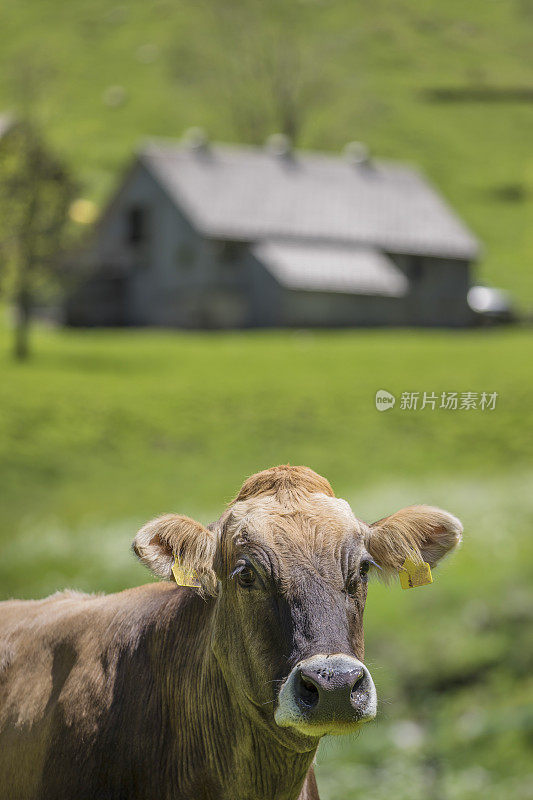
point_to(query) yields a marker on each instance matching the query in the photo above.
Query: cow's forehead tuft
(285, 482)
(267, 518)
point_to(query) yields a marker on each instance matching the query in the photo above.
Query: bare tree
(261, 61)
(36, 190)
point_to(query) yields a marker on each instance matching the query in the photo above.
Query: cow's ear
(163, 540)
(430, 532)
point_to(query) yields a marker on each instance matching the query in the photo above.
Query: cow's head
(288, 566)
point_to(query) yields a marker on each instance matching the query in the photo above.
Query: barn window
(136, 231)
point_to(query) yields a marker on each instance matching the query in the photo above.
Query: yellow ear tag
(415, 573)
(184, 577)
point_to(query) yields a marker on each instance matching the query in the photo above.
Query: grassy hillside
(103, 430)
(373, 73)
(170, 419)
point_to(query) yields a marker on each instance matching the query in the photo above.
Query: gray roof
(327, 268)
(249, 193)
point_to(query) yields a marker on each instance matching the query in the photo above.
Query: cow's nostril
(308, 691)
(358, 683)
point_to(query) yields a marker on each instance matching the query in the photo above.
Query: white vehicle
(491, 306)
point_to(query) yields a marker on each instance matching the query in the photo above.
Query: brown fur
(172, 536)
(423, 531)
(285, 482)
(163, 693)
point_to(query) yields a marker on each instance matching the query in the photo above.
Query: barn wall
(154, 277)
(174, 278)
(100, 302)
(266, 296)
(141, 271)
(330, 309)
(442, 294)
(438, 291)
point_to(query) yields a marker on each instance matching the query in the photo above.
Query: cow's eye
(246, 577)
(364, 567)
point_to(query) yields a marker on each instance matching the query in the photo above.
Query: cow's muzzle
(327, 694)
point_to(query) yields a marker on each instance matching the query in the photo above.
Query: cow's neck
(219, 743)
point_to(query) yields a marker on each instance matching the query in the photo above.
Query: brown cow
(215, 693)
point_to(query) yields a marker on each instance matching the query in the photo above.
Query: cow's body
(118, 697)
(218, 692)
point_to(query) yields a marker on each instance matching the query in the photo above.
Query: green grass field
(377, 67)
(102, 430)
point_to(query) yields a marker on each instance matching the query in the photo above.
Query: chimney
(278, 144)
(357, 154)
(196, 139)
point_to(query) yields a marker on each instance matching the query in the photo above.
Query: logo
(384, 400)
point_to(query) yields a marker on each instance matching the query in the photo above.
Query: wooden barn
(202, 235)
